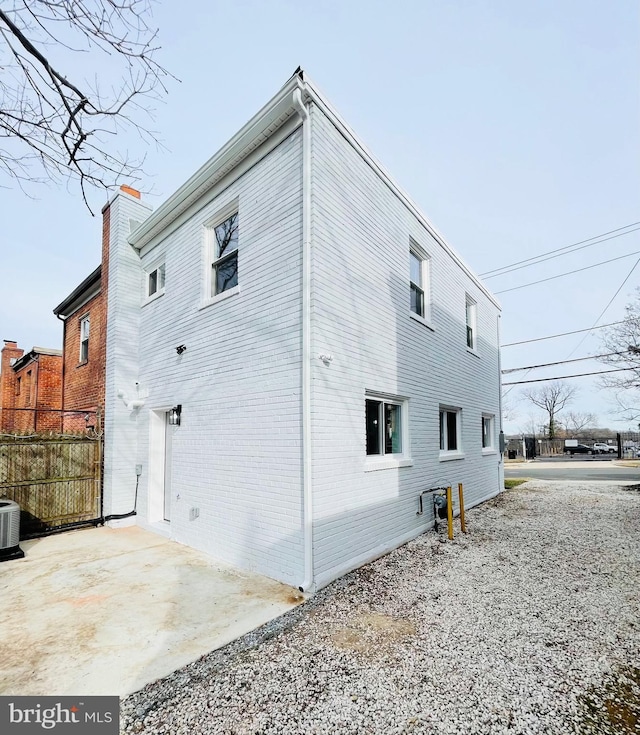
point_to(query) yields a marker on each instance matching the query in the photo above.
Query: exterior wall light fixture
(174, 415)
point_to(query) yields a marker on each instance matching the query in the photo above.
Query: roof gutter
(261, 126)
(307, 487)
(80, 295)
(248, 138)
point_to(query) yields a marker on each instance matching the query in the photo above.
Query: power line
(602, 313)
(563, 334)
(540, 259)
(568, 273)
(487, 274)
(565, 377)
(561, 362)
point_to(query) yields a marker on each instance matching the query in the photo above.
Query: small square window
(487, 431)
(450, 430)
(471, 319)
(224, 265)
(155, 281)
(384, 426)
(84, 338)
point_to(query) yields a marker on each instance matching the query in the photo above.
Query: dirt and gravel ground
(528, 624)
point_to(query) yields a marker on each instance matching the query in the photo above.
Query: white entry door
(168, 436)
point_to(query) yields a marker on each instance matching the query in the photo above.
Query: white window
(84, 338)
(155, 281)
(488, 442)
(224, 255)
(419, 286)
(386, 427)
(471, 318)
(450, 431)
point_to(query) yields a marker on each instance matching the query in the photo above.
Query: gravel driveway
(528, 624)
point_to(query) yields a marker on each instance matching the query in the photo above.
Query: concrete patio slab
(106, 611)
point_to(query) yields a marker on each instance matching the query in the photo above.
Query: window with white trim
(385, 422)
(450, 430)
(155, 281)
(471, 319)
(419, 285)
(224, 255)
(84, 338)
(488, 421)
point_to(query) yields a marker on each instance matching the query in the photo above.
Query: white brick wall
(123, 313)
(237, 457)
(237, 453)
(360, 315)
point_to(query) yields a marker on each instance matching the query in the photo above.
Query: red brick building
(84, 314)
(30, 389)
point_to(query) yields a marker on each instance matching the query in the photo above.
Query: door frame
(158, 427)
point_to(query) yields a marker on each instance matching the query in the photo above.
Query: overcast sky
(513, 125)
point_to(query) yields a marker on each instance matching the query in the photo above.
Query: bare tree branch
(55, 126)
(575, 422)
(624, 339)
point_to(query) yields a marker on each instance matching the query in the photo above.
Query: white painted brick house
(336, 356)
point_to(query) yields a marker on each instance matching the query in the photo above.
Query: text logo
(61, 715)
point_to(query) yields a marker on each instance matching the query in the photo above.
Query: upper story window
(419, 286)
(27, 398)
(155, 281)
(471, 319)
(224, 265)
(84, 338)
(18, 385)
(417, 292)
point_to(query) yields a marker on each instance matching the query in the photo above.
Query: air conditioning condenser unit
(10, 530)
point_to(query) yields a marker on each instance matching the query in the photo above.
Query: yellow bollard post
(450, 514)
(463, 525)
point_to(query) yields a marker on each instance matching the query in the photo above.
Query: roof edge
(63, 309)
(264, 123)
(334, 116)
(271, 117)
(32, 355)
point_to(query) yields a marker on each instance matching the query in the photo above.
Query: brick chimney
(121, 267)
(9, 354)
(130, 190)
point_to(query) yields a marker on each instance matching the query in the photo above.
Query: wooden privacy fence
(56, 482)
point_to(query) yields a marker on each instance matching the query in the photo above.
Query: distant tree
(575, 423)
(551, 398)
(54, 122)
(532, 425)
(621, 345)
(509, 412)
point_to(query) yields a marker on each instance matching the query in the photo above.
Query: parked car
(602, 448)
(579, 449)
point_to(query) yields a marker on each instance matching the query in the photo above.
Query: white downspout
(501, 442)
(307, 511)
